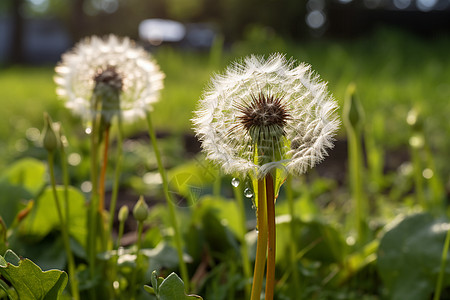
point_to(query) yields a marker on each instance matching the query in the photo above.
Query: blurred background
(38, 31)
(396, 53)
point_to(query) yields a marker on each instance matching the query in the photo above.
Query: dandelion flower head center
(264, 112)
(108, 77)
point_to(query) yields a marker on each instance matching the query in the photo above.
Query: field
(401, 186)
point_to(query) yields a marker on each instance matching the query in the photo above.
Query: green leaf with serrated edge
(30, 282)
(173, 288)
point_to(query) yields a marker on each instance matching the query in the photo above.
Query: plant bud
(140, 210)
(50, 139)
(123, 213)
(353, 111)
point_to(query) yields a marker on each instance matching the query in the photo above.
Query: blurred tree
(16, 53)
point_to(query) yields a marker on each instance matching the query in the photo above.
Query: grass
(393, 73)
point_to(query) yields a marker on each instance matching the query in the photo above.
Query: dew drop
(248, 193)
(88, 130)
(235, 182)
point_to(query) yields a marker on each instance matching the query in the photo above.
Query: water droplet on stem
(248, 193)
(235, 182)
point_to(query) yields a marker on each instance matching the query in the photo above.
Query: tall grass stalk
(117, 172)
(170, 204)
(293, 232)
(440, 280)
(353, 121)
(138, 251)
(64, 231)
(93, 205)
(101, 188)
(65, 174)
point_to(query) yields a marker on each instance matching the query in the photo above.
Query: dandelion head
(108, 76)
(262, 115)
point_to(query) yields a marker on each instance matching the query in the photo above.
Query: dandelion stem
(101, 187)
(271, 242)
(64, 232)
(438, 290)
(170, 204)
(119, 155)
(261, 243)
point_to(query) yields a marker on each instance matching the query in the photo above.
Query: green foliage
(43, 219)
(169, 288)
(29, 281)
(409, 256)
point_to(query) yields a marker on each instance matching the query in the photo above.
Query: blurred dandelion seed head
(265, 114)
(98, 66)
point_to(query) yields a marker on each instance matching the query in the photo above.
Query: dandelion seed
(266, 114)
(124, 75)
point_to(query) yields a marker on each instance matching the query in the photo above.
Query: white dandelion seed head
(140, 76)
(262, 115)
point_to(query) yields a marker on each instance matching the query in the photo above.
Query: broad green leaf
(226, 211)
(44, 217)
(172, 288)
(28, 173)
(12, 200)
(30, 282)
(409, 257)
(317, 240)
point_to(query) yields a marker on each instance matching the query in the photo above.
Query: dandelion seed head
(265, 114)
(111, 62)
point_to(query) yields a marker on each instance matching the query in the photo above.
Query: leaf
(28, 173)
(173, 288)
(170, 288)
(409, 256)
(11, 199)
(29, 281)
(44, 218)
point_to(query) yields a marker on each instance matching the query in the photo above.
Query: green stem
(64, 232)
(66, 183)
(440, 280)
(244, 247)
(93, 206)
(170, 204)
(292, 242)
(134, 275)
(101, 188)
(261, 243)
(271, 242)
(115, 191)
(418, 178)
(355, 166)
